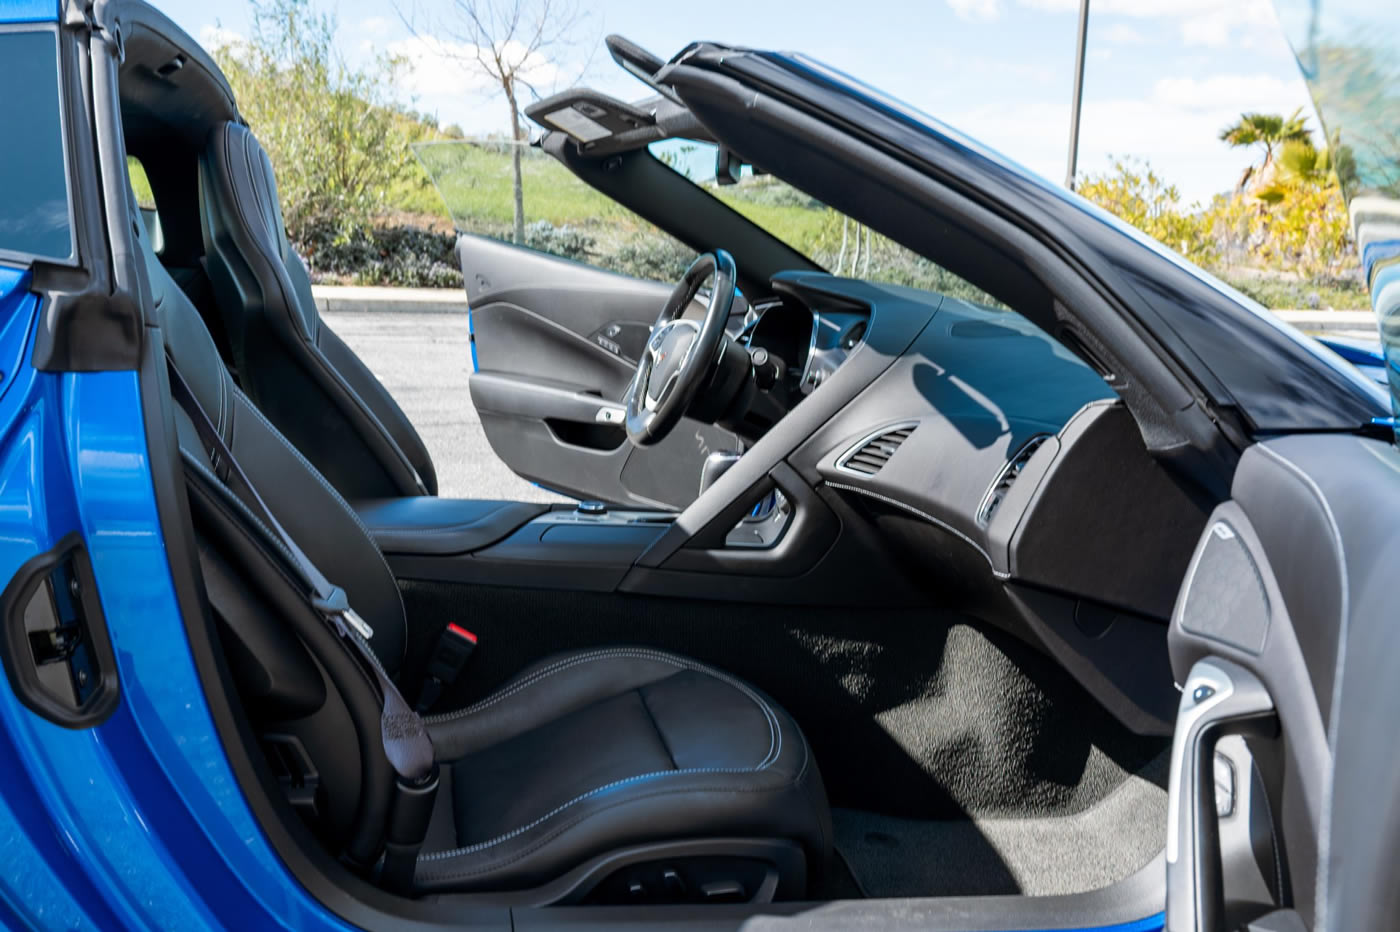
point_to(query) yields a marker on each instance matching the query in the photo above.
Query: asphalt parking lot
(424, 360)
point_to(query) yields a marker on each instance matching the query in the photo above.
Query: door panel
(1286, 578)
(555, 345)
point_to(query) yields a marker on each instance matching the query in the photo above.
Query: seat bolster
(720, 780)
(659, 808)
(324, 526)
(548, 690)
(380, 403)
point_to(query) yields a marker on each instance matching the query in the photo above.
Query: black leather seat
(302, 376)
(582, 755)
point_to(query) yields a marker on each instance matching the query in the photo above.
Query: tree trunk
(517, 141)
(841, 259)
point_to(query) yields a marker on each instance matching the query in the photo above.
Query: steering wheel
(680, 353)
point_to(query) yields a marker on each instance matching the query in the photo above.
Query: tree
(509, 42)
(1133, 191)
(1270, 130)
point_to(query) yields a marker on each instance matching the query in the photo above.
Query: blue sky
(1163, 76)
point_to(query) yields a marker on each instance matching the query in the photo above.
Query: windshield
(829, 238)
(563, 216)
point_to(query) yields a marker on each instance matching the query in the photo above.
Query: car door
(554, 346)
(1284, 637)
(558, 322)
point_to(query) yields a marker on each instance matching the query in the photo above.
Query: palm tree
(1269, 130)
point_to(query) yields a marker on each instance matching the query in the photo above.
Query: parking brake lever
(1220, 698)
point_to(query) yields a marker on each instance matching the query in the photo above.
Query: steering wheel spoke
(680, 352)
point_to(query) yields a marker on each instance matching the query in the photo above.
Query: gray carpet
(1032, 855)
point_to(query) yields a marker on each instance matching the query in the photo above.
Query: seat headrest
(235, 154)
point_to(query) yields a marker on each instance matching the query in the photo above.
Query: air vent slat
(1007, 478)
(870, 455)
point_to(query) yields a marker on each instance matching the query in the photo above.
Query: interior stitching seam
(517, 832)
(775, 741)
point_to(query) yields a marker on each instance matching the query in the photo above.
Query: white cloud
(217, 37)
(1202, 22)
(1123, 34)
(444, 78)
(1218, 26)
(976, 10)
(1176, 126)
(433, 66)
(1233, 93)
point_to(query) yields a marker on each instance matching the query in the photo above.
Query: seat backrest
(302, 376)
(312, 511)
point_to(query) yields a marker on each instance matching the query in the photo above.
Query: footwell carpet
(1031, 855)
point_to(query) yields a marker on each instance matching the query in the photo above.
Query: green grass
(139, 183)
(475, 182)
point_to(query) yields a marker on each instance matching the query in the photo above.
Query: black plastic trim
(15, 650)
(88, 323)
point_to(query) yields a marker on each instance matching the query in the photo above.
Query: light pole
(1077, 104)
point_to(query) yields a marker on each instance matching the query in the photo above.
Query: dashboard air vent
(1007, 478)
(870, 455)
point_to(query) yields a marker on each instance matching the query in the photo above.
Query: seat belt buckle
(453, 650)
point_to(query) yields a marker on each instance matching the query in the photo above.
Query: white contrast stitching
(514, 833)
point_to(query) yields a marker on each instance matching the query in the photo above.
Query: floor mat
(1036, 856)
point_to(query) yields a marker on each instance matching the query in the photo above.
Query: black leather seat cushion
(425, 524)
(592, 751)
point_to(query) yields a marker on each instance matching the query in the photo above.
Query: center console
(583, 546)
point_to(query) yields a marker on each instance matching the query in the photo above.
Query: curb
(347, 299)
(1330, 321)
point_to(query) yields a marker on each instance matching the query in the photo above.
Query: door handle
(1219, 698)
(55, 648)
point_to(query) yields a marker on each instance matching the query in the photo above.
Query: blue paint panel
(471, 340)
(138, 822)
(28, 11)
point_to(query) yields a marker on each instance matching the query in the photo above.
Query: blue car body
(138, 820)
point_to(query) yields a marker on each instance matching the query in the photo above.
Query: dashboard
(978, 428)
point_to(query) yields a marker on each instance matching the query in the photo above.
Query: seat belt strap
(404, 737)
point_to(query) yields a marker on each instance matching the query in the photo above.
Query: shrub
(565, 241)
(653, 256)
(334, 139)
(387, 255)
